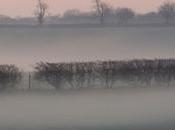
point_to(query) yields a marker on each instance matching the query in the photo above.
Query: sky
(17, 8)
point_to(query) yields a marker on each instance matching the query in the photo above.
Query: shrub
(10, 76)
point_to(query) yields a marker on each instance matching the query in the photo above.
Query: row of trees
(102, 10)
(107, 74)
(100, 74)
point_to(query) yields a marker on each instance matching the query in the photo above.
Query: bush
(10, 76)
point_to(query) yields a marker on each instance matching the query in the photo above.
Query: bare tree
(107, 73)
(167, 11)
(101, 8)
(41, 11)
(9, 76)
(50, 72)
(124, 15)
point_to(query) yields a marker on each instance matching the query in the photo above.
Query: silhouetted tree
(167, 11)
(124, 15)
(79, 75)
(101, 9)
(50, 72)
(10, 76)
(91, 74)
(41, 11)
(107, 73)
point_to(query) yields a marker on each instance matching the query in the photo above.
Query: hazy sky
(26, 7)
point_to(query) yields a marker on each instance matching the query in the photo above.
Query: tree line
(99, 74)
(101, 10)
(107, 74)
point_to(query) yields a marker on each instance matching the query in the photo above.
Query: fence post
(29, 81)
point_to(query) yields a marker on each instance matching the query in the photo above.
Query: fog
(25, 46)
(98, 109)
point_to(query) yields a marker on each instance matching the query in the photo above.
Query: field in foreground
(89, 110)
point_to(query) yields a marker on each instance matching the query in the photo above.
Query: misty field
(146, 109)
(24, 46)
